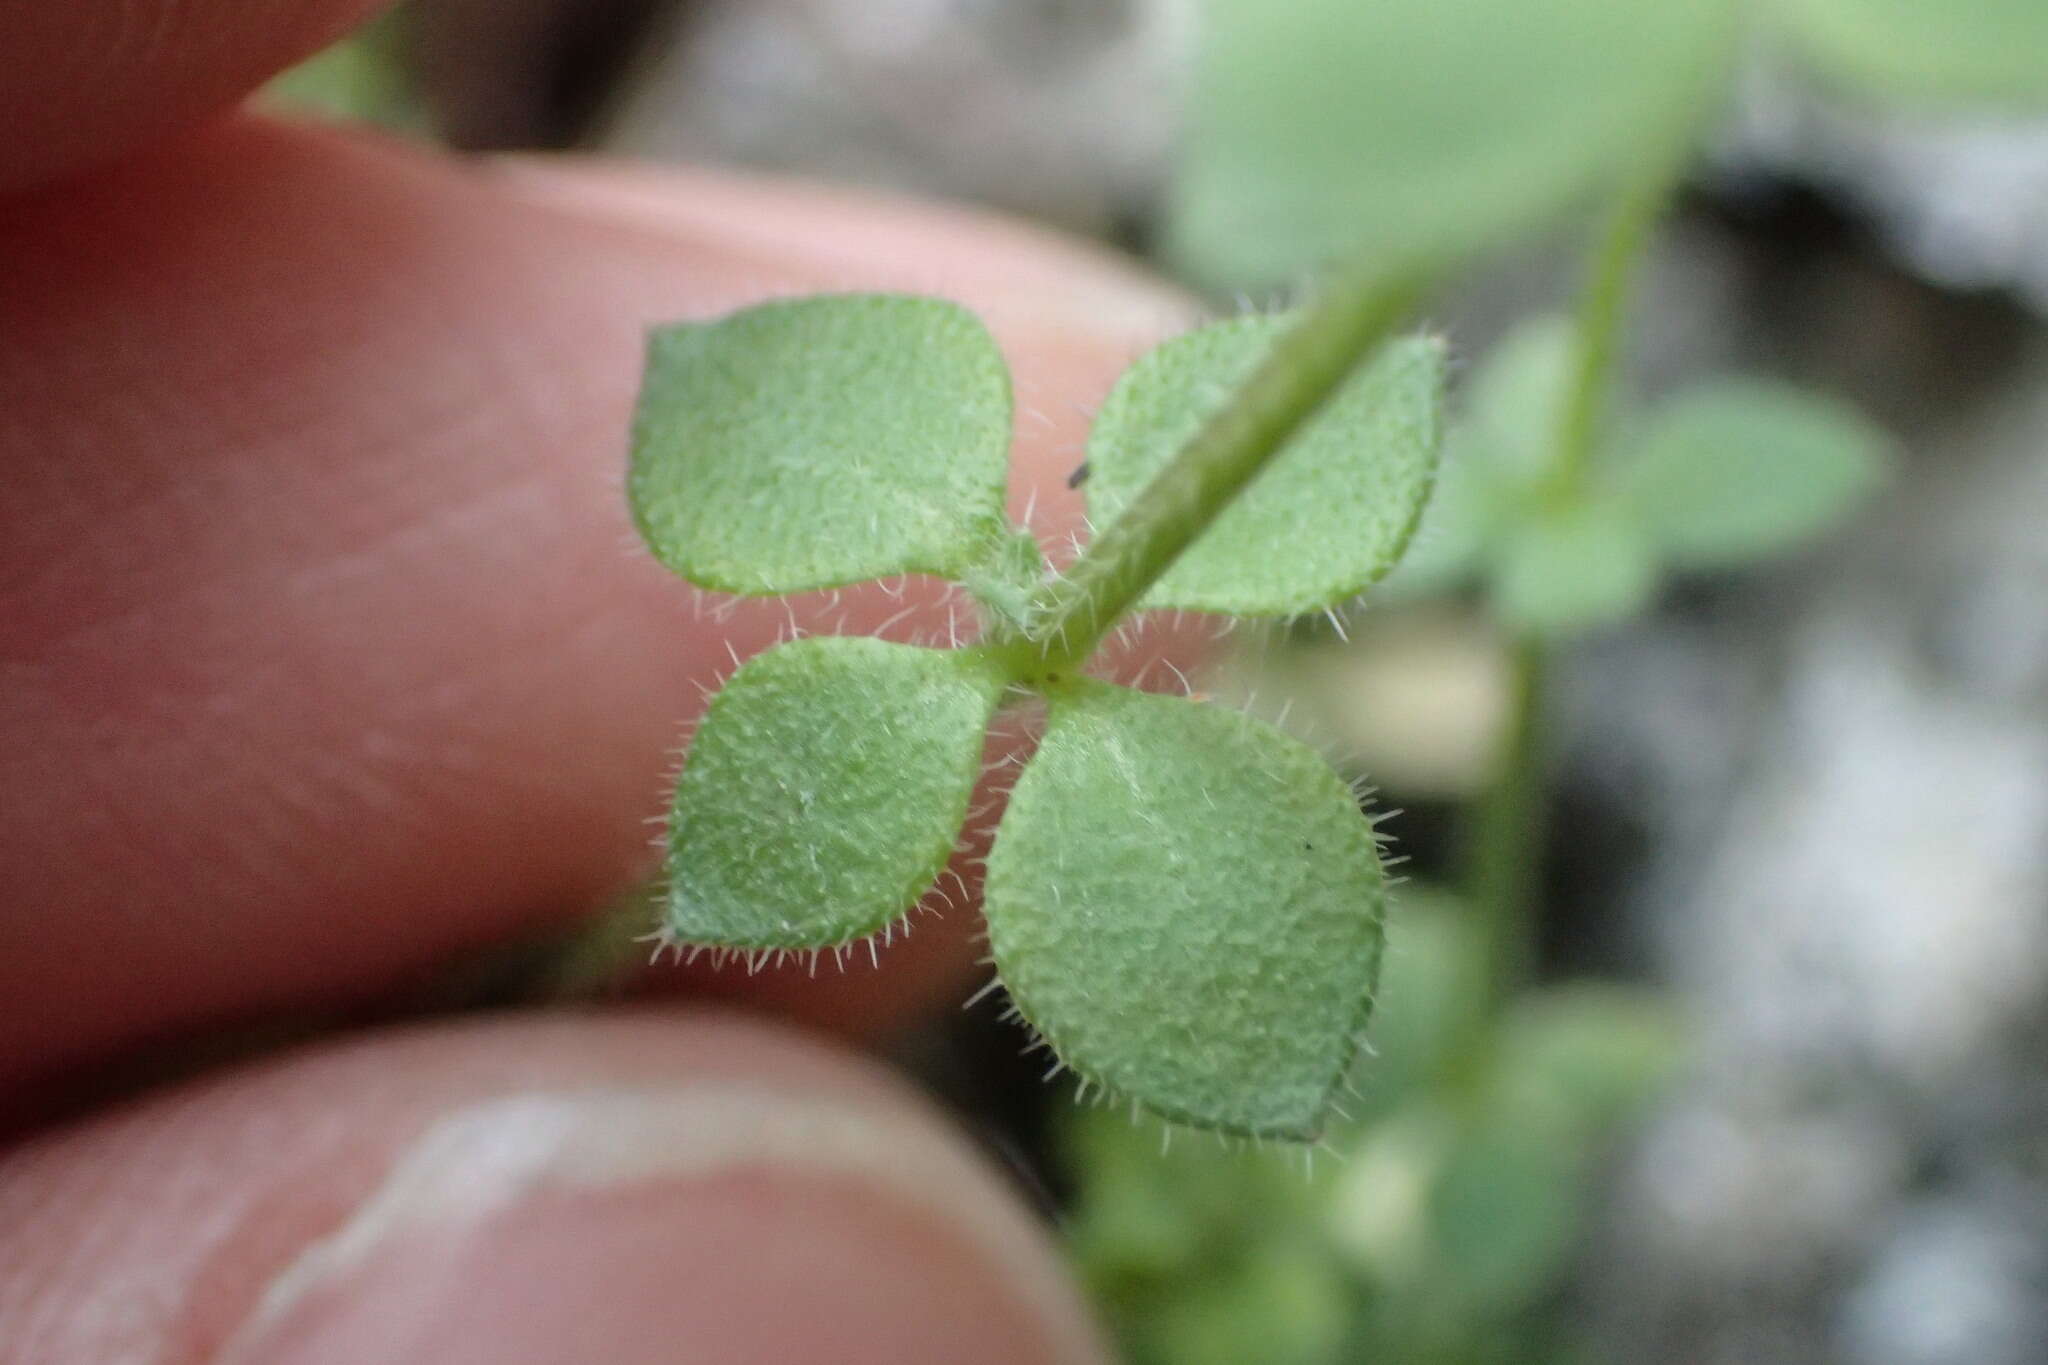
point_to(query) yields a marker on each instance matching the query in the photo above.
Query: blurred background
(1778, 1088)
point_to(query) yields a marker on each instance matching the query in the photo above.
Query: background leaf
(812, 442)
(1203, 1252)
(1571, 568)
(1326, 519)
(1495, 457)
(1419, 129)
(1455, 534)
(824, 791)
(1572, 1062)
(1433, 989)
(1514, 404)
(1947, 52)
(1506, 1208)
(1738, 469)
(1595, 1051)
(1187, 904)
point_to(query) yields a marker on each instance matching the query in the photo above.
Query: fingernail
(720, 1223)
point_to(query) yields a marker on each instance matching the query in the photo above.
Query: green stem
(1603, 307)
(1508, 825)
(1071, 613)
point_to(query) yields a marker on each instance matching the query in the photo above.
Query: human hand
(325, 656)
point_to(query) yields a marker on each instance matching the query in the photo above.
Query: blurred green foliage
(1422, 129)
(1415, 130)
(1439, 1223)
(366, 77)
(1725, 472)
(1418, 129)
(1933, 53)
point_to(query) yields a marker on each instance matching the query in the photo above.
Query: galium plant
(1184, 902)
(1162, 863)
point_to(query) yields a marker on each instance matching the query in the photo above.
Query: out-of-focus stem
(1603, 310)
(1507, 825)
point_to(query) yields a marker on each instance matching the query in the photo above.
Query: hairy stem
(1070, 614)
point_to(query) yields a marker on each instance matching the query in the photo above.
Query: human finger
(649, 1187)
(85, 80)
(329, 652)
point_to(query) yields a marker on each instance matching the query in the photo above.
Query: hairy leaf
(1738, 469)
(1945, 52)
(812, 442)
(1326, 519)
(1572, 568)
(1187, 904)
(824, 791)
(1419, 129)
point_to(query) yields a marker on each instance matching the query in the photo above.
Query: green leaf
(1739, 469)
(1331, 514)
(1420, 129)
(1139, 1212)
(367, 77)
(1456, 532)
(812, 442)
(1495, 456)
(824, 791)
(1592, 1050)
(1572, 568)
(1514, 405)
(1941, 52)
(1572, 1060)
(1507, 1208)
(1278, 1301)
(1150, 1208)
(1187, 904)
(1435, 986)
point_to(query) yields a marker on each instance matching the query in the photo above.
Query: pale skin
(326, 656)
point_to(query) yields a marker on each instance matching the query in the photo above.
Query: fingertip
(647, 1187)
(84, 81)
(337, 651)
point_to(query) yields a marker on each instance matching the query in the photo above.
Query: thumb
(651, 1187)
